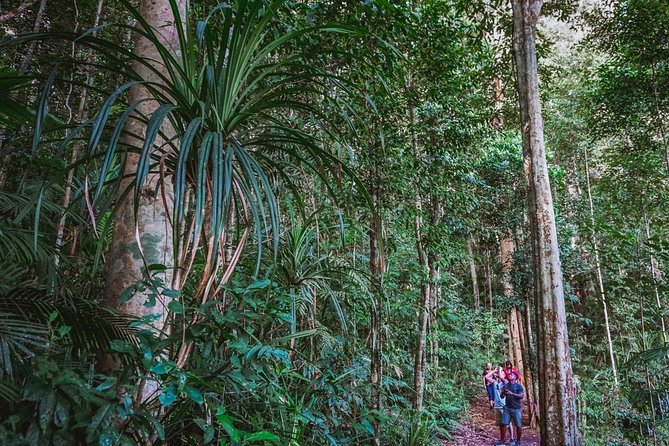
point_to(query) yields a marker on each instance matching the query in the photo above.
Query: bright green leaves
(240, 437)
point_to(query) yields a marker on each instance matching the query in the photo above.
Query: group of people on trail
(505, 395)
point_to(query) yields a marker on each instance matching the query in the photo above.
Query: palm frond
(28, 315)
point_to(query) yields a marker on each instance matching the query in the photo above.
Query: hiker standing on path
(514, 393)
(496, 378)
(489, 385)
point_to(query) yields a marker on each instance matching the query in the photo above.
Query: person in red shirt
(510, 368)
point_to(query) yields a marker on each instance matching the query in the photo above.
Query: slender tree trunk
(472, 271)
(436, 211)
(649, 383)
(660, 122)
(145, 237)
(656, 275)
(497, 121)
(487, 272)
(39, 20)
(376, 310)
(23, 67)
(598, 269)
(424, 301)
(76, 148)
(423, 313)
(559, 425)
(434, 304)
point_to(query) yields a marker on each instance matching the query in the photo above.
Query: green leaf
(108, 383)
(97, 421)
(175, 306)
(194, 394)
(262, 436)
(159, 369)
(167, 397)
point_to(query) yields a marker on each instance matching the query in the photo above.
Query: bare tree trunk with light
(144, 238)
(559, 426)
(598, 270)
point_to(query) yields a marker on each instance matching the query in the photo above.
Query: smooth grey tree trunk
(144, 238)
(557, 394)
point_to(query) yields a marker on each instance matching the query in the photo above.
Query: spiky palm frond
(12, 111)
(29, 316)
(313, 278)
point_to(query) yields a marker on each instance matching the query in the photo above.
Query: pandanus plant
(235, 106)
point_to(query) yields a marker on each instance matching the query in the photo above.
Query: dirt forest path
(479, 428)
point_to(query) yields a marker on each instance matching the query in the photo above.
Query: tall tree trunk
(598, 270)
(506, 249)
(472, 271)
(434, 304)
(530, 370)
(376, 308)
(526, 371)
(424, 301)
(559, 425)
(517, 344)
(144, 238)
